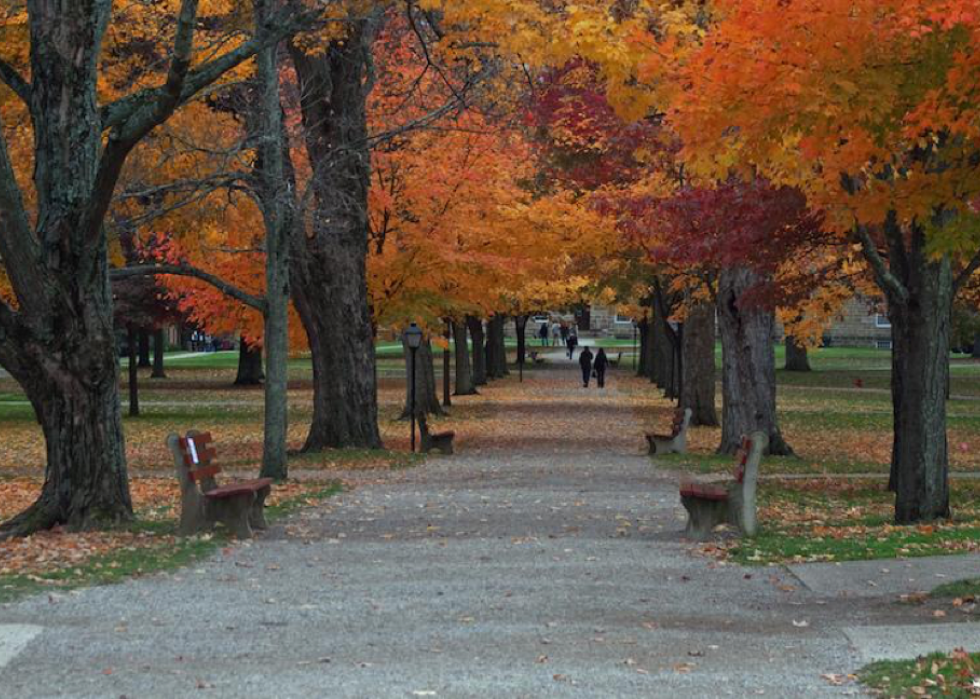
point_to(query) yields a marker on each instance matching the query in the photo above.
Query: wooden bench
(239, 506)
(440, 441)
(709, 504)
(676, 441)
(616, 361)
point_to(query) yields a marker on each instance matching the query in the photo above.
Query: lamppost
(413, 338)
(634, 344)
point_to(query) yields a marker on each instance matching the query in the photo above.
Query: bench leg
(704, 515)
(233, 512)
(256, 515)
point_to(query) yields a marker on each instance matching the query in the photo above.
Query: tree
(870, 111)
(57, 340)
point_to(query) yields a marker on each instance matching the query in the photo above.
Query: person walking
(571, 343)
(585, 361)
(599, 367)
(563, 329)
(555, 333)
(543, 334)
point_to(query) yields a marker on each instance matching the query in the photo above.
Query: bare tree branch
(185, 270)
(972, 266)
(892, 286)
(15, 81)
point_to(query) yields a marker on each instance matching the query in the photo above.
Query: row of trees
(436, 161)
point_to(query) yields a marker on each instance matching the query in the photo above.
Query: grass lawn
(59, 560)
(956, 674)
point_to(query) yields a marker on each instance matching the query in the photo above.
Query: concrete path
(550, 565)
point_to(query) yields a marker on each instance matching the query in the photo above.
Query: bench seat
(233, 489)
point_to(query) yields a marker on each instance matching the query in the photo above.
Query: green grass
(773, 546)
(960, 588)
(161, 556)
(934, 675)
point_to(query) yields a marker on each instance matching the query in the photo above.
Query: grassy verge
(827, 520)
(154, 547)
(956, 674)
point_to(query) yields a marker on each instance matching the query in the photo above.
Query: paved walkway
(549, 566)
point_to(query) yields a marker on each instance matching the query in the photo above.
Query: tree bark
(464, 373)
(159, 345)
(132, 339)
(447, 400)
(475, 326)
(698, 392)
(329, 277)
(496, 348)
(976, 346)
(250, 371)
(144, 348)
(275, 202)
(426, 398)
(520, 330)
(643, 361)
(796, 356)
(919, 291)
(748, 365)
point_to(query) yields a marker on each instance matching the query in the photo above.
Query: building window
(622, 320)
(881, 321)
(883, 344)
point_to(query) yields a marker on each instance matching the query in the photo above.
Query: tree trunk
(976, 346)
(276, 205)
(920, 370)
(132, 338)
(496, 348)
(643, 361)
(329, 278)
(698, 392)
(660, 355)
(85, 481)
(796, 356)
(249, 365)
(748, 365)
(464, 373)
(520, 330)
(144, 349)
(426, 398)
(475, 326)
(447, 368)
(159, 342)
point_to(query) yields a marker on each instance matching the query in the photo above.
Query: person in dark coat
(543, 334)
(599, 366)
(585, 361)
(571, 343)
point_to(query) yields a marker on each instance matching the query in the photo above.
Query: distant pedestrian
(585, 361)
(599, 367)
(543, 334)
(563, 329)
(555, 333)
(571, 343)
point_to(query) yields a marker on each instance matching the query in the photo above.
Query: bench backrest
(741, 458)
(681, 418)
(198, 452)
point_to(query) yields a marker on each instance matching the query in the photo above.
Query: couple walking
(596, 367)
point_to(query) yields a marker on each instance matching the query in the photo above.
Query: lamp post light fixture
(413, 338)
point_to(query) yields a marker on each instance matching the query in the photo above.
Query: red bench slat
(231, 489)
(705, 491)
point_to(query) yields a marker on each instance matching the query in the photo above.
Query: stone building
(861, 323)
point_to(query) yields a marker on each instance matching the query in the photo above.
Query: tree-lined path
(549, 565)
